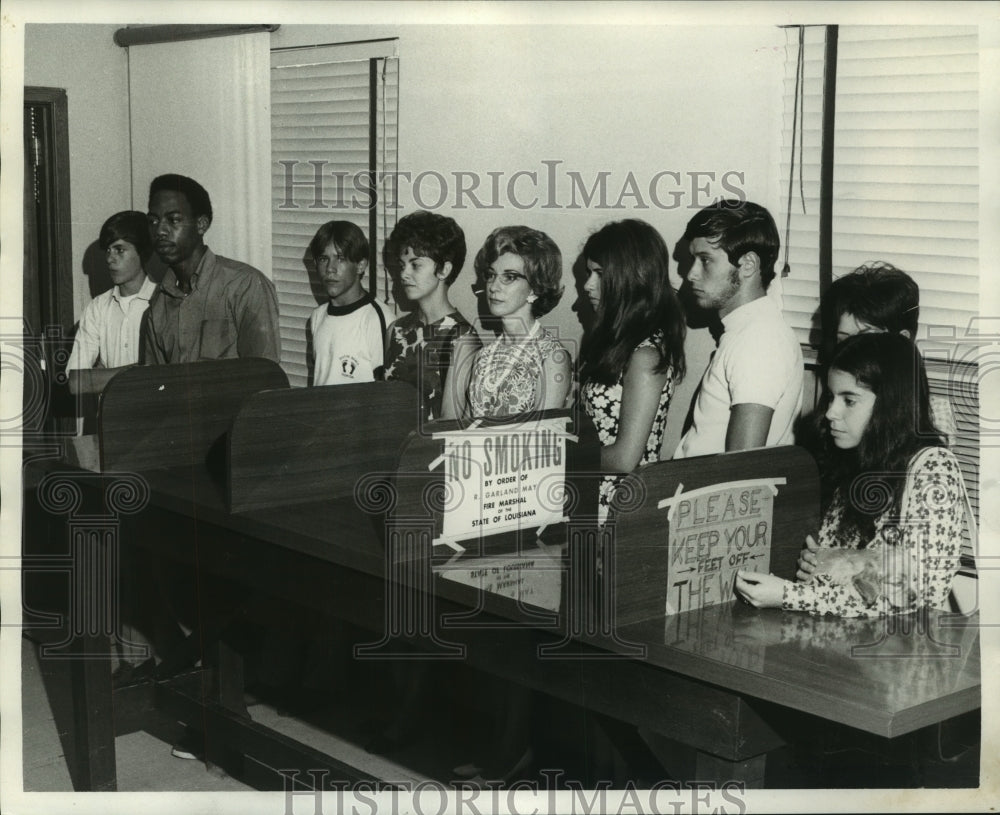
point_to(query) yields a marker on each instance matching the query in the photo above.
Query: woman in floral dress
(526, 368)
(634, 353)
(427, 250)
(889, 542)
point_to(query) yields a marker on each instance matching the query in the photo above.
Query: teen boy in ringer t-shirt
(751, 392)
(348, 333)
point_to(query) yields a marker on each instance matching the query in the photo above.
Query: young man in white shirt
(751, 392)
(347, 333)
(108, 338)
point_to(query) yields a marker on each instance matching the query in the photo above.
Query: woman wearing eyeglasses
(526, 368)
(634, 352)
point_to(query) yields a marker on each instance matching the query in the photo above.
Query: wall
(595, 99)
(201, 108)
(83, 60)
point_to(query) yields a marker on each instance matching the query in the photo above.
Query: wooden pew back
(309, 444)
(161, 416)
(640, 532)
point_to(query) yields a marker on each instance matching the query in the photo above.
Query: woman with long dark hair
(889, 542)
(634, 353)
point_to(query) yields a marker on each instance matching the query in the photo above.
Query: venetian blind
(333, 145)
(906, 165)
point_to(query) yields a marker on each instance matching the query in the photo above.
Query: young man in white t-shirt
(108, 338)
(348, 332)
(751, 392)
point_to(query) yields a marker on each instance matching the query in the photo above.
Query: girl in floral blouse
(426, 251)
(890, 539)
(526, 368)
(634, 352)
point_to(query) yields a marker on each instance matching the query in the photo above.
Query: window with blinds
(905, 170)
(333, 153)
(905, 189)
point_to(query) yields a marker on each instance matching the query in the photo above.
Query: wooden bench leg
(688, 763)
(93, 715)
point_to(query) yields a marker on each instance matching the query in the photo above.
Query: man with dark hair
(207, 306)
(751, 392)
(108, 338)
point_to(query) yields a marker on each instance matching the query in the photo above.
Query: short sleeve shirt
(348, 341)
(109, 331)
(758, 361)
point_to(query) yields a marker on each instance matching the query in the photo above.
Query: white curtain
(201, 108)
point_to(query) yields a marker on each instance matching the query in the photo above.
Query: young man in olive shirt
(207, 306)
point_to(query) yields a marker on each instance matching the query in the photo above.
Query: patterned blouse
(908, 564)
(421, 354)
(603, 404)
(507, 377)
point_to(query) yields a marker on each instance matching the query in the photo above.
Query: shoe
(190, 746)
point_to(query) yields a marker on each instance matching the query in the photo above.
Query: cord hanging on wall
(798, 116)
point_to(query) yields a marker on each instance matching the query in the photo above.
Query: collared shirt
(109, 329)
(758, 361)
(231, 311)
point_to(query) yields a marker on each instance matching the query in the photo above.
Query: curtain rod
(152, 34)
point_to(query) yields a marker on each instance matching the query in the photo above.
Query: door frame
(57, 273)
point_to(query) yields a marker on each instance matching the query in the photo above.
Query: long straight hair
(637, 302)
(900, 426)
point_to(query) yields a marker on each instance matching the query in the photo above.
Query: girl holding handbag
(890, 539)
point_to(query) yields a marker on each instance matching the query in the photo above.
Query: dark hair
(130, 226)
(196, 194)
(542, 262)
(900, 426)
(738, 227)
(349, 239)
(637, 301)
(430, 235)
(878, 294)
